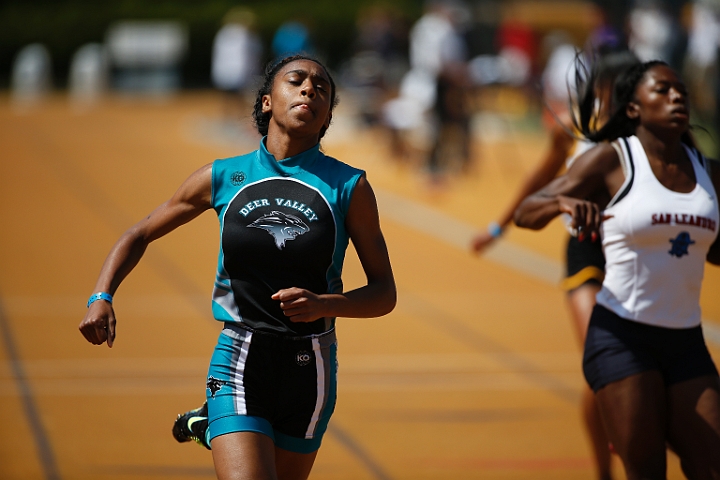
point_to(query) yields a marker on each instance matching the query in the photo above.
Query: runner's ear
(266, 104)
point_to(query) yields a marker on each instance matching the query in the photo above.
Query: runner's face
(300, 99)
(661, 100)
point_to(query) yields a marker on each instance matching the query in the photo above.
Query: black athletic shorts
(280, 386)
(616, 348)
(585, 263)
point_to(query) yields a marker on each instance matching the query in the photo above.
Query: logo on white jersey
(680, 244)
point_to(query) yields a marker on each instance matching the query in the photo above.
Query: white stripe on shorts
(320, 402)
(240, 405)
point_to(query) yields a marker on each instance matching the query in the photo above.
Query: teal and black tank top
(282, 225)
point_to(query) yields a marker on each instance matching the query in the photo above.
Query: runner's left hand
(300, 305)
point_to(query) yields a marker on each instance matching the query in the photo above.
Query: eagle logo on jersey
(281, 226)
(680, 244)
(214, 385)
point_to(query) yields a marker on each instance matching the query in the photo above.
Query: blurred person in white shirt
(236, 59)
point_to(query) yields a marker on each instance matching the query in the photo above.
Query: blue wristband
(99, 296)
(494, 229)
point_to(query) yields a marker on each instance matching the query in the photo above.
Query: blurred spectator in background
(382, 30)
(517, 46)
(88, 78)
(515, 53)
(481, 33)
(432, 100)
(701, 68)
(605, 35)
(615, 12)
(654, 34)
(236, 59)
(291, 37)
(379, 60)
(31, 75)
(452, 105)
(558, 75)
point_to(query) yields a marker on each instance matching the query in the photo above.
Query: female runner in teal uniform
(287, 212)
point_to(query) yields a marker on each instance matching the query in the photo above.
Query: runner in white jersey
(584, 259)
(651, 196)
(656, 235)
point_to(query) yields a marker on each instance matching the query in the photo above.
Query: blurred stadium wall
(65, 25)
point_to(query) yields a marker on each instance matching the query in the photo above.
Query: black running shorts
(280, 386)
(616, 348)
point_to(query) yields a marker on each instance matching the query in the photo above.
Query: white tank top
(656, 243)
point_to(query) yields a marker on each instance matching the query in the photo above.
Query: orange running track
(476, 374)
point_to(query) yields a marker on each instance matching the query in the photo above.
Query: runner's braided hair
(261, 119)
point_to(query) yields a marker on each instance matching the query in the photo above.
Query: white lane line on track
(457, 233)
